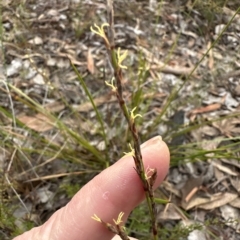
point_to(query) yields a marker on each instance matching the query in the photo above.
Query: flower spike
(131, 153)
(133, 116)
(100, 31)
(96, 218)
(114, 89)
(121, 58)
(148, 171)
(119, 219)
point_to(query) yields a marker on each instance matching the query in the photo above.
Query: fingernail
(152, 141)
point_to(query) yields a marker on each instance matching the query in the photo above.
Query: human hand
(116, 189)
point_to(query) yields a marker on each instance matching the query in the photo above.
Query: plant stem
(147, 182)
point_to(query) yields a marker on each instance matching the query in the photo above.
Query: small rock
(237, 90)
(14, 68)
(37, 41)
(219, 28)
(38, 79)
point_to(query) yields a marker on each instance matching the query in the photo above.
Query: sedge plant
(147, 176)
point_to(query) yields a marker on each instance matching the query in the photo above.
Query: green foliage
(70, 189)
(138, 224)
(9, 225)
(209, 6)
(178, 232)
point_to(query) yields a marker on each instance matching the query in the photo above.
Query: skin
(116, 189)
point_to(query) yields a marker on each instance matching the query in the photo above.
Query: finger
(116, 189)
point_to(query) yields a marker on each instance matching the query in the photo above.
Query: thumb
(116, 189)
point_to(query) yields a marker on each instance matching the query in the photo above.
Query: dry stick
(147, 182)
